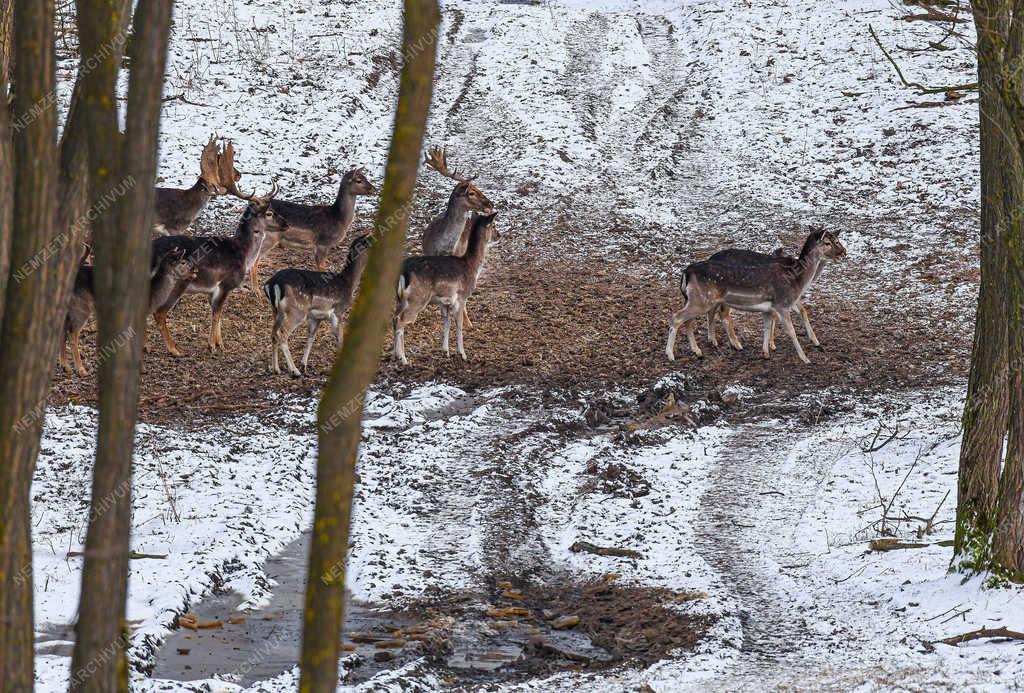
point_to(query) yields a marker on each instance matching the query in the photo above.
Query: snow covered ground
(770, 519)
(641, 131)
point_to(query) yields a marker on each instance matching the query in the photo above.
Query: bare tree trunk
(123, 173)
(986, 407)
(1008, 542)
(340, 414)
(6, 153)
(25, 361)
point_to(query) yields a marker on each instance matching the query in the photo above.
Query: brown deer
(448, 233)
(175, 209)
(321, 227)
(723, 313)
(223, 263)
(771, 289)
(300, 295)
(444, 280)
(165, 277)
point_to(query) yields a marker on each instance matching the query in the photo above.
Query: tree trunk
(340, 414)
(1008, 542)
(26, 362)
(6, 47)
(986, 407)
(123, 170)
(6, 154)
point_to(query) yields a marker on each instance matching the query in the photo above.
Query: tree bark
(6, 153)
(123, 170)
(986, 407)
(26, 362)
(340, 414)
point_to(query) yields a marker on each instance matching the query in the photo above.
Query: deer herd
(455, 245)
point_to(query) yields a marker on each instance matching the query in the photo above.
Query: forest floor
(620, 141)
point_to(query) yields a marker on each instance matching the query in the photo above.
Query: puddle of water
(264, 643)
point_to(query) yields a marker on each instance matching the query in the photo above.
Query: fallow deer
(165, 276)
(747, 257)
(322, 227)
(175, 209)
(444, 280)
(300, 295)
(448, 233)
(771, 289)
(223, 263)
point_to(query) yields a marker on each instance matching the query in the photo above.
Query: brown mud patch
(550, 324)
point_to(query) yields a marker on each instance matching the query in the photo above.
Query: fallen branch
(132, 555)
(921, 89)
(1000, 632)
(888, 544)
(586, 546)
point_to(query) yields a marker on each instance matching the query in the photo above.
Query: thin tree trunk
(26, 363)
(986, 407)
(6, 153)
(340, 414)
(123, 173)
(6, 47)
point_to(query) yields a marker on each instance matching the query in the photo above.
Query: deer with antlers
(321, 227)
(165, 277)
(447, 281)
(175, 209)
(448, 233)
(223, 262)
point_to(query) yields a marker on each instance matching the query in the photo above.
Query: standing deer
(165, 277)
(749, 257)
(448, 233)
(175, 209)
(771, 289)
(223, 263)
(322, 226)
(444, 280)
(300, 295)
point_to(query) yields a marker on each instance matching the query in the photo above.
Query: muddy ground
(573, 325)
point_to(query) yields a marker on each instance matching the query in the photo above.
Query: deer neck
(345, 206)
(246, 240)
(808, 267)
(476, 252)
(345, 281)
(453, 223)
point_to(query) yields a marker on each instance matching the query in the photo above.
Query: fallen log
(586, 546)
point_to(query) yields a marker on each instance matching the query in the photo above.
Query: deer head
(465, 192)
(827, 242)
(209, 174)
(356, 183)
(178, 265)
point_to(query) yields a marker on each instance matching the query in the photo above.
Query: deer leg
(76, 352)
(161, 322)
(254, 276)
(217, 300)
(460, 316)
(320, 257)
(312, 325)
(807, 325)
(408, 309)
(690, 311)
(767, 322)
(730, 328)
(446, 314)
(712, 330)
(64, 363)
(336, 329)
(283, 332)
(787, 325)
(465, 316)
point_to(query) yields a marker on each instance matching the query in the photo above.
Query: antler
(208, 162)
(228, 174)
(437, 159)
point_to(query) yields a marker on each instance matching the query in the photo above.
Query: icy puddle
(513, 633)
(249, 646)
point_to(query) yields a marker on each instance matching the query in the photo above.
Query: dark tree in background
(43, 188)
(341, 407)
(990, 504)
(122, 170)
